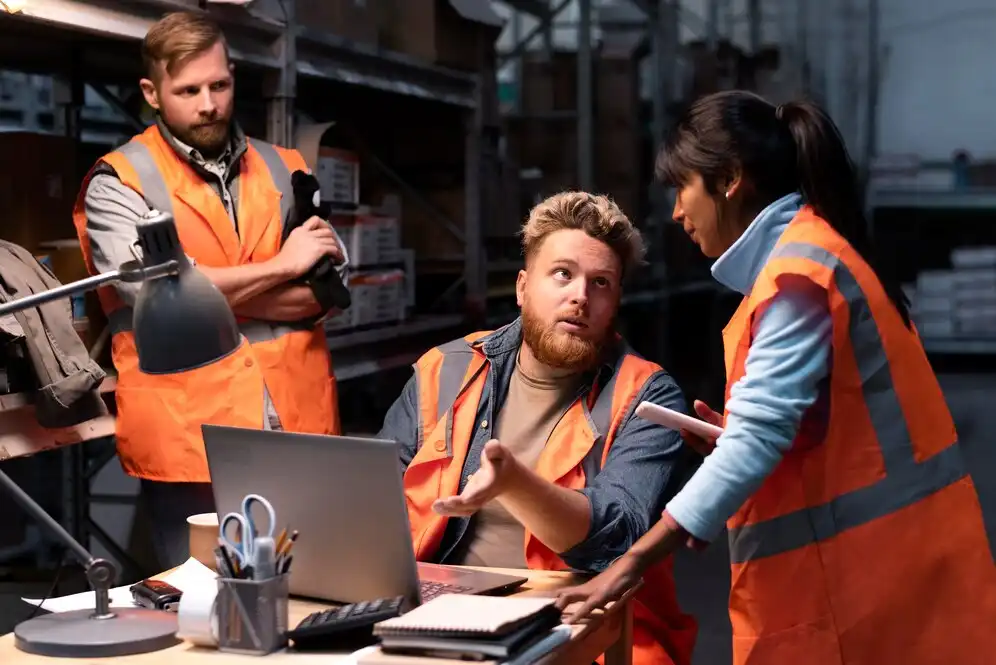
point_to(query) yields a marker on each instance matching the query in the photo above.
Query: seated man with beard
(520, 447)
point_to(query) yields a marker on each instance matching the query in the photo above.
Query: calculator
(349, 625)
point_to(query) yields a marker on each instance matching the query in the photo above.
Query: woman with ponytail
(856, 534)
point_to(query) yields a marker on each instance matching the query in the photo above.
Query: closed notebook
(466, 615)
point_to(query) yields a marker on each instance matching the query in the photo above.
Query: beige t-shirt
(532, 409)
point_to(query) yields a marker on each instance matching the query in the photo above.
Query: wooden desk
(610, 632)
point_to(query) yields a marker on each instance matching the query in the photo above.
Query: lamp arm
(101, 573)
(38, 513)
(131, 272)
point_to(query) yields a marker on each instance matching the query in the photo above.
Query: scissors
(243, 542)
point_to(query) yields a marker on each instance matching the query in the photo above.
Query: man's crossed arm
(256, 290)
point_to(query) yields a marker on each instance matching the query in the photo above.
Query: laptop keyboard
(432, 589)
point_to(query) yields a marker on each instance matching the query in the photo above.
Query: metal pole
(871, 120)
(543, 26)
(586, 129)
(712, 24)
(281, 86)
(517, 38)
(754, 18)
(802, 28)
(657, 51)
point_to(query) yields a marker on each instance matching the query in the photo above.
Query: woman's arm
(787, 360)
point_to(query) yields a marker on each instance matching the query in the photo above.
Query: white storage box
(370, 240)
(378, 296)
(935, 283)
(338, 175)
(974, 257)
(341, 321)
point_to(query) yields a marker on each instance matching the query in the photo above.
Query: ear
(520, 287)
(733, 184)
(149, 92)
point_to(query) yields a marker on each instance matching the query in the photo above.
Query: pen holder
(252, 615)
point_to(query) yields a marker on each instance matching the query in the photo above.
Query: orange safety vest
(160, 416)
(866, 545)
(451, 379)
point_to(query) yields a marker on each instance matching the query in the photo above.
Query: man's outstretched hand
(609, 586)
(498, 467)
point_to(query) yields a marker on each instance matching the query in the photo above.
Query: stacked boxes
(960, 302)
(370, 239)
(379, 288)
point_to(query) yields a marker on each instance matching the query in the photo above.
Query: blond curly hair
(596, 215)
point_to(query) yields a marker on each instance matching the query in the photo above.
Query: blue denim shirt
(785, 370)
(645, 465)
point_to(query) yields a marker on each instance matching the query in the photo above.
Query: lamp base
(79, 635)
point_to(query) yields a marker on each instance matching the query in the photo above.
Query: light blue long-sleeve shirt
(788, 358)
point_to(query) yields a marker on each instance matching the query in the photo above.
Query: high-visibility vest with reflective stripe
(160, 417)
(866, 545)
(451, 380)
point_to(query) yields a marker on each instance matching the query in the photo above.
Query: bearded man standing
(520, 447)
(230, 197)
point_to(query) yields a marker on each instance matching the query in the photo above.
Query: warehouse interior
(437, 124)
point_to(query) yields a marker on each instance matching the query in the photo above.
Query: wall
(939, 81)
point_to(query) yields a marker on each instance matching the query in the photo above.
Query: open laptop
(345, 497)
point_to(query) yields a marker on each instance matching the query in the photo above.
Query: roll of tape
(198, 622)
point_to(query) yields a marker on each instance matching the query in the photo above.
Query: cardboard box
(38, 189)
(356, 20)
(452, 33)
(549, 84)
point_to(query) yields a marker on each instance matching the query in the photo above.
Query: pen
(289, 543)
(229, 565)
(286, 565)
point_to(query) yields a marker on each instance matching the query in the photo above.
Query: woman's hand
(703, 446)
(625, 573)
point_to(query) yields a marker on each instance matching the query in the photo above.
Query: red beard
(558, 349)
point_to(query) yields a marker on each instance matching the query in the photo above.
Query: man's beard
(208, 139)
(558, 349)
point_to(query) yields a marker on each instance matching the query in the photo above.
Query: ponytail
(779, 150)
(829, 184)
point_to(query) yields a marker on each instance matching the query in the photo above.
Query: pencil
(280, 540)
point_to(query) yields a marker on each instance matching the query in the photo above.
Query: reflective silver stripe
(456, 359)
(599, 420)
(264, 331)
(457, 356)
(119, 320)
(906, 481)
(154, 188)
(280, 175)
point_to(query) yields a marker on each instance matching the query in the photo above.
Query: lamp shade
(181, 322)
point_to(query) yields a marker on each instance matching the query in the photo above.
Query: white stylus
(677, 420)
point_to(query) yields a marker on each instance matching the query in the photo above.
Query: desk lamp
(181, 321)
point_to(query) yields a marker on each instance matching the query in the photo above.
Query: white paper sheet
(191, 574)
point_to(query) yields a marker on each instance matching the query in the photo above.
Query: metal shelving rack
(271, 52)
(91, 43)
(956, 200)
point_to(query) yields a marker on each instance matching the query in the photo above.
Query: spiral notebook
(463, 615)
